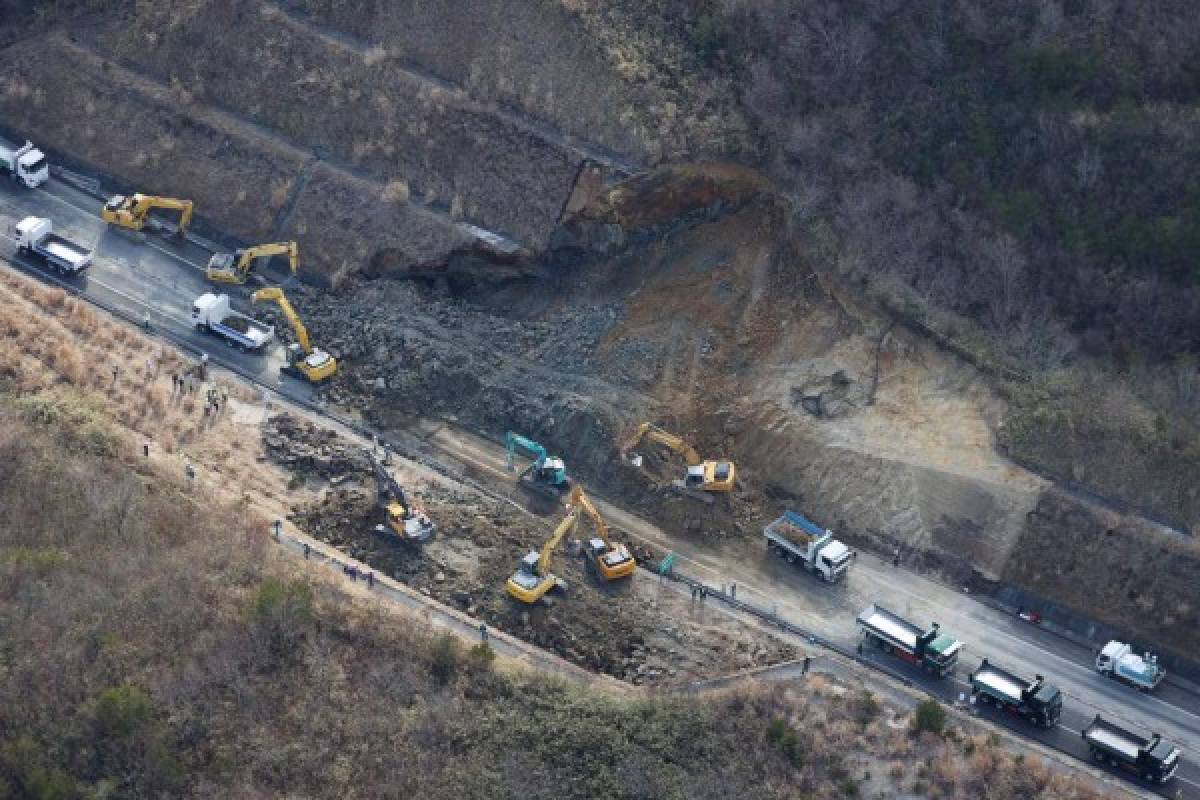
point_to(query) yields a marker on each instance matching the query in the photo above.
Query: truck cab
(26, 163)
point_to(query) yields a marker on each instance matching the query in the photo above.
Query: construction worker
(483, 632)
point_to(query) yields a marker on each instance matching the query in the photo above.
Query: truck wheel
(791, 558)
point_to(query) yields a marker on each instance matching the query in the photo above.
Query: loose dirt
(638, 630)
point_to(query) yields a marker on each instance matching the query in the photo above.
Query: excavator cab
(313, 367)
(712, 476)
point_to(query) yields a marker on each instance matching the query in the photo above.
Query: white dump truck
(26, 164)
(212, 313)
(36, 237)
(1118, 661)
(798, 540)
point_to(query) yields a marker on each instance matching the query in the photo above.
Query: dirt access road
(159, 280)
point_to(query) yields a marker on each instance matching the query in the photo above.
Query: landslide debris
(634, 630)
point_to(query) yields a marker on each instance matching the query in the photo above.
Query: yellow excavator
(533, 578)
(133, 212)
(406, 520)
(235, 267)
(702, 478)
(304, 360)
(612, 561)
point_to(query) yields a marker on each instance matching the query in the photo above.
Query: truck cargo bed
(794, 528)
(1000, 680)
(1120, 741)
(889, 625)
(56, 247)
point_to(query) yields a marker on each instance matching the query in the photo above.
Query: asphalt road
(155, 279)
(147, 276)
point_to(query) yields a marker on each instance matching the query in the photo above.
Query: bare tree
(1008, 265)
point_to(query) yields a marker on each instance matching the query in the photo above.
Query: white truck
(36, 237)
(1118, 661)
(212, 313)
(794, 538)
(26, 164)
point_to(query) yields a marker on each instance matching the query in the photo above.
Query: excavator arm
(580, 500)
(235, 267)
(676, 444)
(276, 294)
(569, 523)
(388, 487)
(514, 442)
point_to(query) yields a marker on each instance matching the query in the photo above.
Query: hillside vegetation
(1017, 177)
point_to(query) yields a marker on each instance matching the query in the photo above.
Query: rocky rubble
(306, 449)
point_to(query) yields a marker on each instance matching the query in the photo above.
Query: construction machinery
(404, 519)
(533, 578)
(702, 478)
(611, 560)
(133, 212)
(303, 360)
(235, 267)
(546, 476)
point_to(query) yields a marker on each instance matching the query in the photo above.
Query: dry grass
(50, 339)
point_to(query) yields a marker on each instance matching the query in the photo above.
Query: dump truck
(1118, 661)
(798, 540)
(928, 648)
(1152, 758)
(26, 164)
(1035, 700)
(36, 237)
(211, 313)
